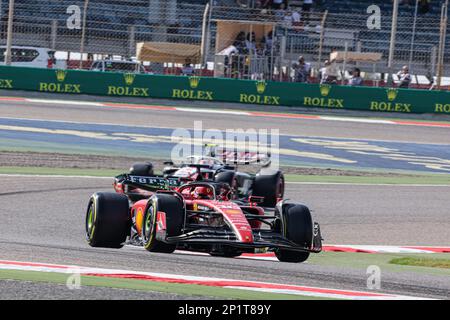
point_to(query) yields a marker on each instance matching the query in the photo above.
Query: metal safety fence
(246, 43)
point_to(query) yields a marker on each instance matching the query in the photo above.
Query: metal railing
(112, 28)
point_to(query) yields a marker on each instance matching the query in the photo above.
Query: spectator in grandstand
(404, 77)
(280, 12)
(296, 18)
(356, 79)
(244, 3)
(264, 4)
(307, 5)
(291, 18)
(302, 70)
(424, 6)
(278, 4)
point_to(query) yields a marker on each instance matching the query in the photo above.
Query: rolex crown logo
(325, 89)
(129, 78)
(194, 81)
(392, 94)
(261, 86)
(61, 75)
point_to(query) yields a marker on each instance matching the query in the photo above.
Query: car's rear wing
(238, 157)
(243, 157)
(152, 184)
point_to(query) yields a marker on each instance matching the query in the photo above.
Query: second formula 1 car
(223, 166)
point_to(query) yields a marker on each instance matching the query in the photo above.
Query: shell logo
(139, 220)
(232, 211)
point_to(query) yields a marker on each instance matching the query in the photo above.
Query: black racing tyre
(229, 177)
(107, 220)
(173, 208)
(142, 169)
(269, 186)
(297, 226)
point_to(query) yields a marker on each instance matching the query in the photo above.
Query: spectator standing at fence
(356, 79)
(267, 41)
(187, 69)
(329, 73)
(239, 42)
(302, 70)
(250, 43)
(404, 77)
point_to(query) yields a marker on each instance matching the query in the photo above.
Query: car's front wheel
(173, 210)
(296, 225)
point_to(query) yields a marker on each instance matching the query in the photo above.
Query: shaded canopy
(168, 52)
(227, 30)
(340, 56)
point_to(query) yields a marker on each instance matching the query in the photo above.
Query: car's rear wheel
(173, 209)
(107, 220)
(297, 226)
(269, 186)
(144, 169)
(229, 177)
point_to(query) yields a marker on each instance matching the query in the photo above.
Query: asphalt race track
(176, 119)
(43, 220)
(44, 126)
(43, 217)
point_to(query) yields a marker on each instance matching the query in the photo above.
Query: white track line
(202, 110)
(231, 112)
(172, 128)
(274, 288)
(346, 119)
(362, 248)
(69, 102)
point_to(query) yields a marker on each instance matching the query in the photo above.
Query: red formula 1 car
(197, 216)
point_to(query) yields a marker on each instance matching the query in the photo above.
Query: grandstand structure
(114, 27)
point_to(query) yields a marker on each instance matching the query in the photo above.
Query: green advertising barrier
(226, 90)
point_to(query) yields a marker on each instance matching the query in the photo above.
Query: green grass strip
(189, 290)
(435, 179)
(360, 261)
(420, 180)
(422, 262)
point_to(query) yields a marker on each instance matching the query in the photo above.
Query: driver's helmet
(208, 162)
(203, 193)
